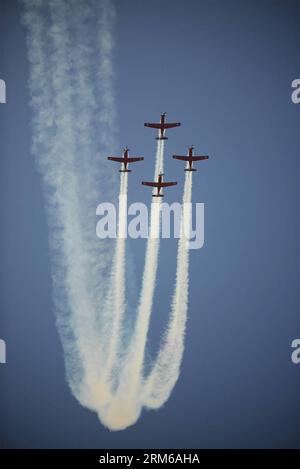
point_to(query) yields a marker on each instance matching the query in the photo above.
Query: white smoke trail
(63, 99)
(126, 405)
(66, 38)
(134, 390)
(138, 342)
(113, 326)
(159, 160)
(165, 372)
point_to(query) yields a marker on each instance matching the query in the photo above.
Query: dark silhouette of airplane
(125, 160)
(162, 126)
(190, 158)
(159, 185)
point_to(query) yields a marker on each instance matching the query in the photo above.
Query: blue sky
(224, 69)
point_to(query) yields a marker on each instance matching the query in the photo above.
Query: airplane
(125, 160)
(190, 158)
(162, 126)
(159, 184)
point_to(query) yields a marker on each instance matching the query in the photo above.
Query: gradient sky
(224, 69)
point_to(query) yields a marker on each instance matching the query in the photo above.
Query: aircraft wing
(167, 184)
(151, 184)
(199, 158)
(170, 125)
(182, 158)
(190, 158)
(115, 158)
(153, 126)
(134, 159)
